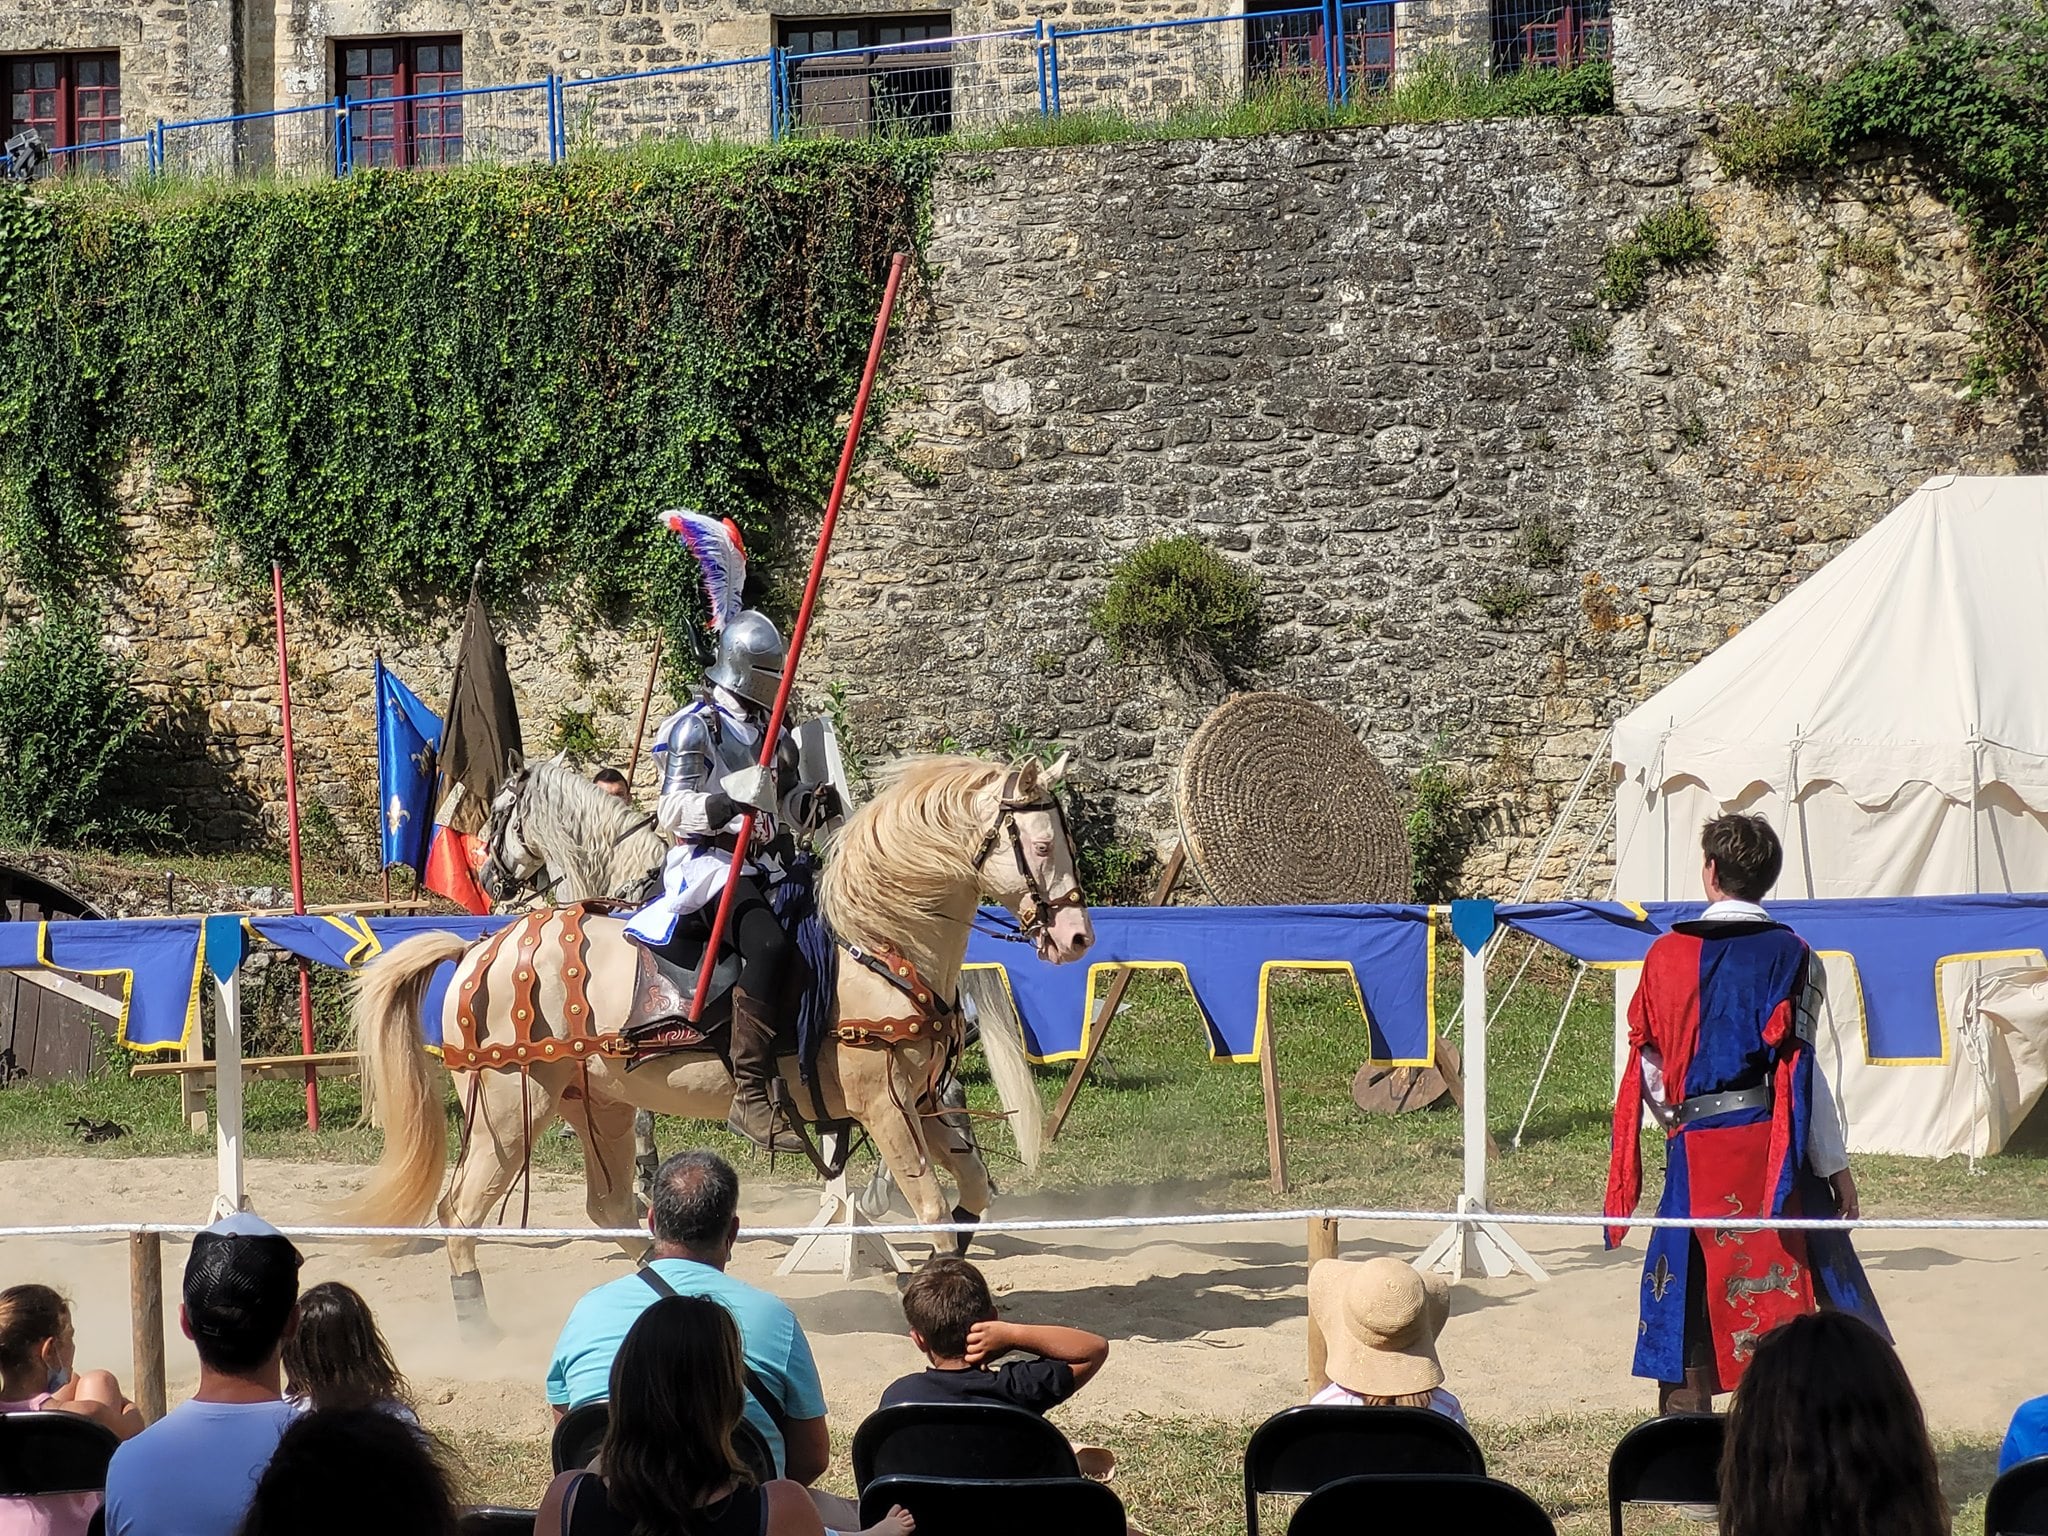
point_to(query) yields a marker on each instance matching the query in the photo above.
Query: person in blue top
(194, 1471)
(2026, 1437)
(695, 1222)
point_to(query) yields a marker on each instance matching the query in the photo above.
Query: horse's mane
(895, 854)
(598, 828)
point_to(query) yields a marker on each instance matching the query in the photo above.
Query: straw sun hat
(1380, 1320)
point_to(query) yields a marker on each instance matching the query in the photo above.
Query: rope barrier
(1093, 1224)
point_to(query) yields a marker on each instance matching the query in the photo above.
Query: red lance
(772, 732)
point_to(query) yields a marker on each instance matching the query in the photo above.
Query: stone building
(93, 72)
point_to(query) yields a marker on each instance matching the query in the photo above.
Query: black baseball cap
(241, 1283)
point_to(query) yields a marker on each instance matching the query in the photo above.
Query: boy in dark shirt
(953, 1320)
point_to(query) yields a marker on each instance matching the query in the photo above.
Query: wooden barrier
(146, 1314)
(1322, 1244)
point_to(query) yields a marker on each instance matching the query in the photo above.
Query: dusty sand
(1205, 1321)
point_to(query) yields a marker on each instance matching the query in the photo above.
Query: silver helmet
(750, 654)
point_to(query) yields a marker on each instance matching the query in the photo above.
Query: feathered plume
(720, 555)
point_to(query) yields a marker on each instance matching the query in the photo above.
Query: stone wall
(1488, 515)
(203, 643)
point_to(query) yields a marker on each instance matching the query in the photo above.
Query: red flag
(480, 745)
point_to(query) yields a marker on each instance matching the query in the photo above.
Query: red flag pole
(291, 812)
(772, 731)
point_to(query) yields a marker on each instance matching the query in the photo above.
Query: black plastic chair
(1457, 1506)
(964, 1441)
(1299, 1450)
(2018, 1503)
(580, 1433)
(1675, 1459)
(1072, 1506)
(53, 1453)
(494, 1520)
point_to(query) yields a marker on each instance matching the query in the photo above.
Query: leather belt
(1706, 1104)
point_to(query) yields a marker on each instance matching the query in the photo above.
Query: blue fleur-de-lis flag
(408, 736)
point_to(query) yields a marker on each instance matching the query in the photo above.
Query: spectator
(37, 1359)
(953, 1320)
(1825, 1438)
(38, 1364)
(613, 783)
(338, 1359)
(695, 1222)
(2025, 1438)
(347, 1471)
(193, 1472)
(677, 1389)
(1380, 1322)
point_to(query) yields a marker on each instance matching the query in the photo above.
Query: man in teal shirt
(695, 1222)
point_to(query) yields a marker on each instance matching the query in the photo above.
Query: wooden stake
(1269, 1086)
(1112, 999)
(146, 1313)
(646, 698)
(1322, 1244)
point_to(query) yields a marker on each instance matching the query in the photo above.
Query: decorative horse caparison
(903, 876)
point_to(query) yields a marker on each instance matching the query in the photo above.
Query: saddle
(658, 1022)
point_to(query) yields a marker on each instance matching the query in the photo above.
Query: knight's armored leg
(754, 1114)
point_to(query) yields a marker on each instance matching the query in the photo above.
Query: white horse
(535, 1014)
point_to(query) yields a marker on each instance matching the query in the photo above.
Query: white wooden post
(231, 1194)
(1476, 1246)
(223, 946)
(836, 1244)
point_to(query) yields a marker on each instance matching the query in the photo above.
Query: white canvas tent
(1890, 717)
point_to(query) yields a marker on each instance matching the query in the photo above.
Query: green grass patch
(1161, 1122)
(1439, 88)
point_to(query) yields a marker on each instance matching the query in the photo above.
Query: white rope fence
(1098, 1224)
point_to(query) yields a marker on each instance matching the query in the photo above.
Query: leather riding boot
(1693, 1395)
(754, 1114)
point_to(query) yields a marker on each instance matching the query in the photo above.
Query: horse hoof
(963, 1240)
(472, 1313)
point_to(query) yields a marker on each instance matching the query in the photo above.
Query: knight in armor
(710, 776)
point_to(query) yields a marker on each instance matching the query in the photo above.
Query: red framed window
(404, 133)
(73, 100)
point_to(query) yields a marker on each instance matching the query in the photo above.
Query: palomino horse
(899, 888)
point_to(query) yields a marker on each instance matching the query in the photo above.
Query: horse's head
(1036, 875)
(508, 862)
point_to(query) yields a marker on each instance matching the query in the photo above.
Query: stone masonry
(1487, 515)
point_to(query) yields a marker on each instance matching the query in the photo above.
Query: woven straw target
(1280, 805)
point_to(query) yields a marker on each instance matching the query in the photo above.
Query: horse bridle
(1037, 910)
(532, 884)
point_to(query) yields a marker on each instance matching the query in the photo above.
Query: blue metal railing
(926, 85)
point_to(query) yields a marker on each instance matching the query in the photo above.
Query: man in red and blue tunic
(1720, 1052)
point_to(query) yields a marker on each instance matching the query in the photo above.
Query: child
(37, 1356)
(338, 1359)
(953, 1320)
(1380, 1320)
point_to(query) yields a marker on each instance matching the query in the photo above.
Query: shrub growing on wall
(385, 380)
(1179, 601)
(70, 722)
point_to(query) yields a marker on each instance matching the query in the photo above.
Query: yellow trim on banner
(1266, 970)
(127, 975)
(1941, 1001)
(357, 927)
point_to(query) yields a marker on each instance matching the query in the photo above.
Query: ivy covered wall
(388, 381)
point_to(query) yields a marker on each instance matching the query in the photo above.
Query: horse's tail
(1002, 1043)
(401, 1081)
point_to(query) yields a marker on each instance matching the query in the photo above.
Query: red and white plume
(720, 555)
